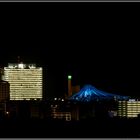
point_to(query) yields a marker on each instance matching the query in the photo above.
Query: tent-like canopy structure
(89, 93)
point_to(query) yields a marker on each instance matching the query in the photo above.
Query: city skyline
(97, 49)
(99, 72)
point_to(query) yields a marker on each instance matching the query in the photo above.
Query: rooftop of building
(21, 66)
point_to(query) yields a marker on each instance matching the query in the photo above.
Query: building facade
(60, 115)
(129, 109)
(25, 81)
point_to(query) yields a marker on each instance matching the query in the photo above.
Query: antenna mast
(18, 59)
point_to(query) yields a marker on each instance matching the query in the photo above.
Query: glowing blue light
(89, 93)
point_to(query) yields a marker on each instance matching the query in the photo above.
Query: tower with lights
(69, 86)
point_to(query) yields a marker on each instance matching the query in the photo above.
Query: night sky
(95, 43)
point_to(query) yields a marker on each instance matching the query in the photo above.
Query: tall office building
(25, 81)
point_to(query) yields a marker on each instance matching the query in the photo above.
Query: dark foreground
(110, 128)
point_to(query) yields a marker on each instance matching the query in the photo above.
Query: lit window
(20, 66)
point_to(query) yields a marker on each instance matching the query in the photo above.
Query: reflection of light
(62, 99)
(55, 98)
(7, 112)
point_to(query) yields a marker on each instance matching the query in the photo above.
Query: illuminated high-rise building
(25, 81)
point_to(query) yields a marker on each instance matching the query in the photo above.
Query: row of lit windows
(21, 95)
(23, 71)
(66, 116)
(132, 116)
(133, 109)
(130, 108)
(27, 79)
(28, 73)
(29, 97)
(131, 104)
(37, 97)
(25, 83)
(12, 75)
(25, 93)
(32, 92)
(128, 102)
(23, 77)
(25, 99)
(22, 74)
(7, 69)
(9, 73)
(133, 113)
(22, 83)
(12, 68)
(34, 97)
(27, 86)
(24, 87)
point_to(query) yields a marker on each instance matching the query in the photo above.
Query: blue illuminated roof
(89, 93)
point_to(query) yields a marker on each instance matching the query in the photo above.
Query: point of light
(7, 112)
(69, 77)
(21, 66)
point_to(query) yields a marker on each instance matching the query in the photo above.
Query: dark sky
(95, 43)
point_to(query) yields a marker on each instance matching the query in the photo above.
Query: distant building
(129, 109)
(4, 87)
(4, 94)
(4, 91)
(56, 114)
(25, 81)
(75, 89)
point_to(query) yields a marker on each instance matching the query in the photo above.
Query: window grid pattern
(129, 109)
(25, 84)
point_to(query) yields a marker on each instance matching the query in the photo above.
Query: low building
(129, 109)
(56, 114)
